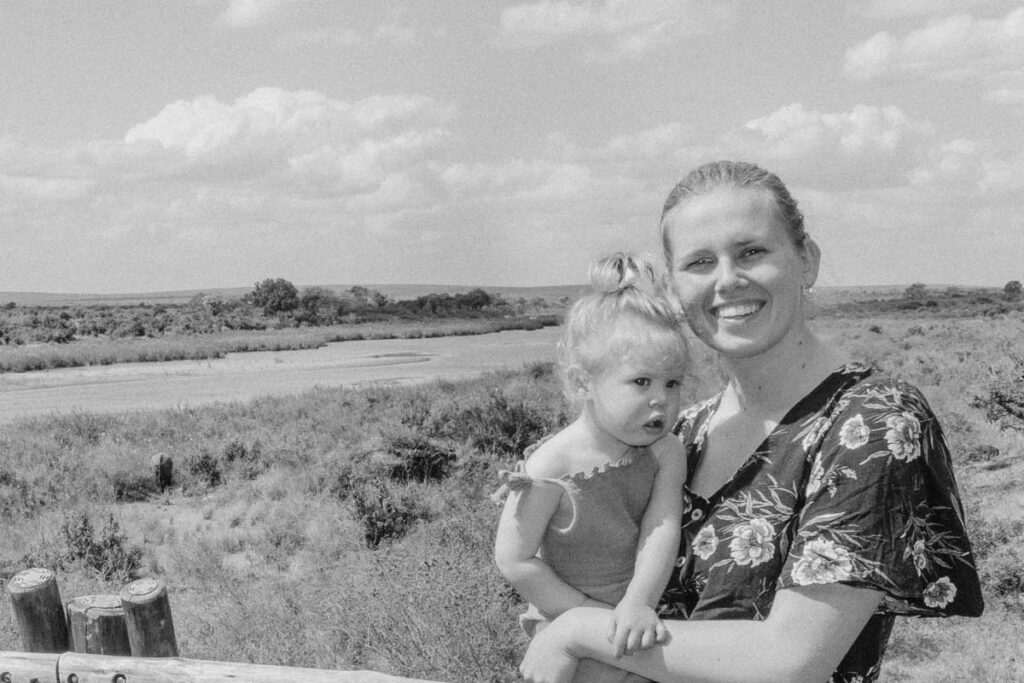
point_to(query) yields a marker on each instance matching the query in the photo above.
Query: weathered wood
(28, 667)
(100, 669)
(147, 613)
(97, 625)
(38, 610)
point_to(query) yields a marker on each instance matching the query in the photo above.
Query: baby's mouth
(656, 423)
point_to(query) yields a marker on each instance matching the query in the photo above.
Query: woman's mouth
(736, 311)
(657, 423)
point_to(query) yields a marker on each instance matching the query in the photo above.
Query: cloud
(334, 36)
(295, 135)
(954, 48)
(246, 13)
(613, 29)
(886, 10)
(865, 146)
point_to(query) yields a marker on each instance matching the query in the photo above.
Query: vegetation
(362, 520)
(274, 316)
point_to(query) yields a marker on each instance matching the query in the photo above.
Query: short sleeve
(881, 507)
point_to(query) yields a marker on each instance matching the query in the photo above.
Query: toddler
(593, 512)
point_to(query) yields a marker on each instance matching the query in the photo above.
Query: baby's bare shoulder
(552, 459)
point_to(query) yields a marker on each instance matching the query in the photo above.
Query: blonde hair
(624, 289)
(741, 175)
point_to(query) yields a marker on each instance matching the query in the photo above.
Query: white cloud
(897, 9)
(334, 36)
(245, 13)
(954, 48)
(613, 28)
(50, 189)
(272, 131)
(865, 146)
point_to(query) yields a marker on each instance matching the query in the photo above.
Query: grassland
(361, 518)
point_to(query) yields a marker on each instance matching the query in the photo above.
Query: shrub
(106, 552)
(502, 425)
(204, 467)
(383, 512)
(415, 457)
(1003, 401)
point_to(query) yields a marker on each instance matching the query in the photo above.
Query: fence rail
(88, 640)
(76, 667)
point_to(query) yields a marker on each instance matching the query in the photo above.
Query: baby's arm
(524, 520)
(636, 625)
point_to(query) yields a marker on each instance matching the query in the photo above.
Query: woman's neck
(772, 382)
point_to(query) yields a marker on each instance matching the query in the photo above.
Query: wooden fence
(126, 638)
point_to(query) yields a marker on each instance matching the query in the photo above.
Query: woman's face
(737, 272)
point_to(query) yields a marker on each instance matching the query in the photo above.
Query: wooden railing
(126, 638)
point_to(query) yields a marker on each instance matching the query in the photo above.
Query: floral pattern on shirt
(854, 486)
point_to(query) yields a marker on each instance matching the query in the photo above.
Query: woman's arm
(805, 636)
(523, 522)
(636, 625)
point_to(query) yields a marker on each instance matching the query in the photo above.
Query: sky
(160, 145)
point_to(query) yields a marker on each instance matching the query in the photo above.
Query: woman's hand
(548, 659)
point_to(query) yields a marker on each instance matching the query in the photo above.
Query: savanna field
(352, 529)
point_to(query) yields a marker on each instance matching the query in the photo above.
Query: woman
(820, 499)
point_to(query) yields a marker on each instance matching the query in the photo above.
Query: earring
(808, 291)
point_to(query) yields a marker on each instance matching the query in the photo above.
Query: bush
(108, 552)
(204, 467)
(383, 512)
(503, 425)
(415, 457)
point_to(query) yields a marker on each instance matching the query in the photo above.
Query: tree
(1012, 290)
(274, 296)
(915, 291)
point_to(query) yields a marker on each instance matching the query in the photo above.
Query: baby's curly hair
(627, 310)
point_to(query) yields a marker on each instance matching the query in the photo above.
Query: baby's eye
(642, 381)
(672, 383)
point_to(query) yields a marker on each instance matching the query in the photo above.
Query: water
(242, 376)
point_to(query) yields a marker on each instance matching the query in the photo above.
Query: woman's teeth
(735, 310)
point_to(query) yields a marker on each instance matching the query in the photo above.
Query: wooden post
(147, 613)
(38, 610)
(97, 625)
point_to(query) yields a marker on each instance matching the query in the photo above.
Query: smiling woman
(819, 501)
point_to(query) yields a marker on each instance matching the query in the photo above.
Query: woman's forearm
(803, 639)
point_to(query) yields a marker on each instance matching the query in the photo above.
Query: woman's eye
(752, 251)
(642, 381)
(696, 263)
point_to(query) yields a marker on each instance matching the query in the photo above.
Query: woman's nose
(729, 277)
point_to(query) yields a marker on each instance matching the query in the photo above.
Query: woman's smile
(738, 311)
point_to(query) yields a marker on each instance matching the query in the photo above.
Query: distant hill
(402, 291)
(823, 295)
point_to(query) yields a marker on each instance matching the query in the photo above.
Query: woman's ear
(812, 259)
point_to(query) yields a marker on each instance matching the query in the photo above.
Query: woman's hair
(736, 174)
(627, 309)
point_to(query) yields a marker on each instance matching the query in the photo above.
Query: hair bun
(622, 271)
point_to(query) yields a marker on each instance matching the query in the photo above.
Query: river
(242, 376)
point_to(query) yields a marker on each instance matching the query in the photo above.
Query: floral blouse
(854, 486)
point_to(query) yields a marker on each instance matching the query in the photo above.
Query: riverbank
(244, 376)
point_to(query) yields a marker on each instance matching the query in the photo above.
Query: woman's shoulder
(868, 388)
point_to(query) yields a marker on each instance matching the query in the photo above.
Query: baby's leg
(591, 671)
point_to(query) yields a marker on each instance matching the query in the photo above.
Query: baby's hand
(635, 626)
